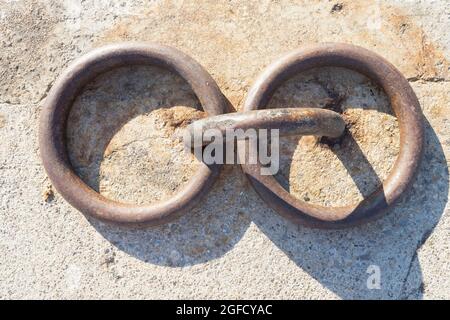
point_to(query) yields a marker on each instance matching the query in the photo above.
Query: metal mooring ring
(404, 103)
(53, 126)
(289, 121)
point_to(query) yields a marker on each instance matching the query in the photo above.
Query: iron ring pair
(403, 101)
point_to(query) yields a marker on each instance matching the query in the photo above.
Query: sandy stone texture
(124, 137)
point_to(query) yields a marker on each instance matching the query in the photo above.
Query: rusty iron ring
(56, 109)
(404, 104)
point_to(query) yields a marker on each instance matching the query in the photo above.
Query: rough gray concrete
(123, 137)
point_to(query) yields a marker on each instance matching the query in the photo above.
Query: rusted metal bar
(289, 121)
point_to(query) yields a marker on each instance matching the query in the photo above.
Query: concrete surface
(231, 245)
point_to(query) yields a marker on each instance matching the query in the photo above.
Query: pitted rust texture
(305, 121)
(404, 104)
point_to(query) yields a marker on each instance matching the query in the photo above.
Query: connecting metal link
(289, 121)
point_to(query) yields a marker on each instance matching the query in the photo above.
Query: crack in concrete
(403, 294)
(429, 79)
(46, 91)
